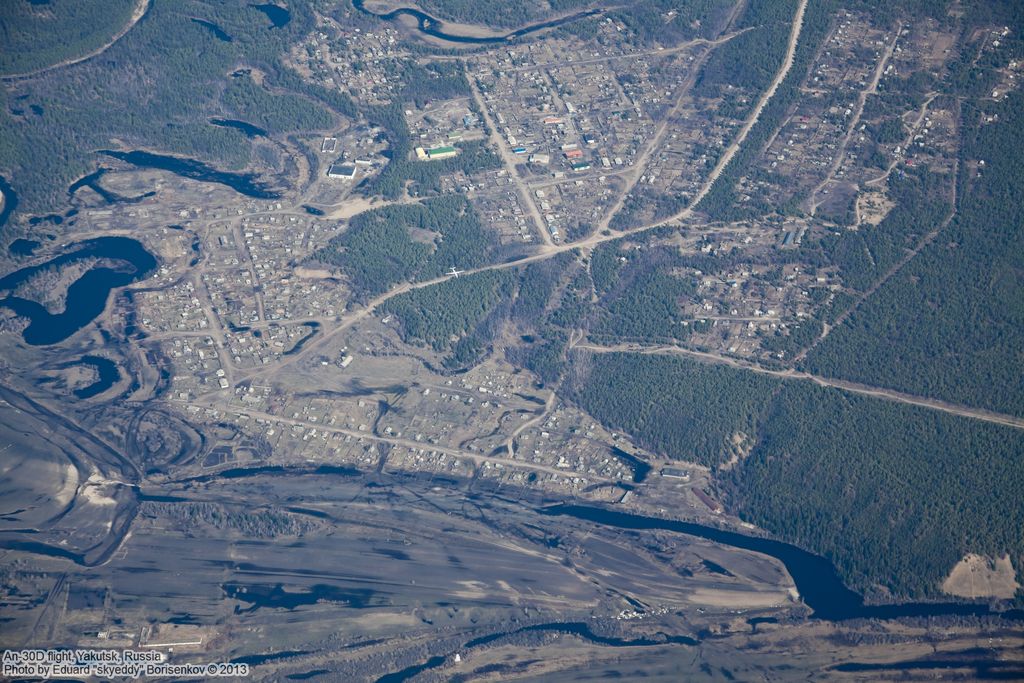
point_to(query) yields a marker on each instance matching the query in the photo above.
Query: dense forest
(538, 286)
(246, 100)
(895, 495)
(453, 315)
(498, 14)
(542, 348)
(646, 307)
(751, 59)
(676, 407)
(865, 256)
(150, 90)
(951, 324)
(641, 292)
(606, 262)
(418, 241)
(27, 30)
(889, 492)
(721, 202)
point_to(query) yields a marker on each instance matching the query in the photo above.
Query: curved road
(141, 7)
(549, 251)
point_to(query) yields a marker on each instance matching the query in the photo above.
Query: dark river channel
(247, 184)
(86, 296)
(246, 128)
(106, 375)
(279, 16)
(10, 201)
(815, 577)
(431, 26)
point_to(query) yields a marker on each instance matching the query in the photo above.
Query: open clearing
(977, 576)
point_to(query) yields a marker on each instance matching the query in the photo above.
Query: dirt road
(851, 130)
(509, 161)
(477, 458)
(752, 119)
(659, 134)
(535, 420)
(927, 239)
(550, 250)
(141, 7)
(852, 387)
